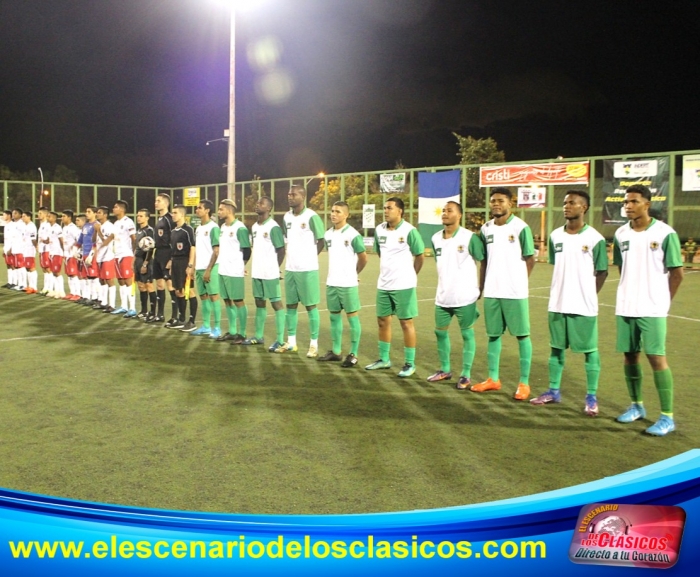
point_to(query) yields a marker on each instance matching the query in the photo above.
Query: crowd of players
(209, 262)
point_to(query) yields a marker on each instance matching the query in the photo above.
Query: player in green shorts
(207, 270)
(644, 249)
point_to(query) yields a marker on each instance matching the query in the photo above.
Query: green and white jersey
(506, 247)
(343, 247)
(232, 239)
(456, 256)
(302, 230)
(267, 238)
(576, 258)
(206, 238)
(397, 248)
(645, 257)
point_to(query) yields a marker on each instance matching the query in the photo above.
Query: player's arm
(133, 243)
(212, 262)
(673, 260)
(675, 278)
(358, 246)
(243, 237)
(277, 238)
(527, 244)
(600, 263)
(415, 242)
(316, 225)
(190, 262)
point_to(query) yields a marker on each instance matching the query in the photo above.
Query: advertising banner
(368, 215)
(532, 197)
(392, 183)
(691, 172)
(619, 175)
(540, 174)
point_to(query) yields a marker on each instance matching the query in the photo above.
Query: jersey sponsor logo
(511, 238)
(329, 243)
(625, 246)
(382, 240)
(230, 233)
(265, 235)
(654, 245)
(347, 243)
(160, 232)
(460, 248)
(559, 247)
(489, 239)
(401, 240)
(303, 225)
(438, 252)
(585, 248)
(180, 245)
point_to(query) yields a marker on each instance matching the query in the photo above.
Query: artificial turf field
(100, 408)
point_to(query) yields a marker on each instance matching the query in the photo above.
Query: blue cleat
(591, 408)
(201, 332)
(274, 346)
(661, 427)
(130, 315)
(633, 413)
(215, 333)
(407, 371)
(550, 396)
(119, 311)
(379, 364)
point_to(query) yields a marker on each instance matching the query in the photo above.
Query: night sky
(129, 91)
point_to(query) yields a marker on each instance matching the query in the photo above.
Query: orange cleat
(522, 393)
(30, 291)
(488, 385)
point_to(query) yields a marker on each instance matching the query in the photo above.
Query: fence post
(364, 230)
(94, 195)
(671, 189)
(412, 196)
(591, 192)
(5, 201)
(463, 196)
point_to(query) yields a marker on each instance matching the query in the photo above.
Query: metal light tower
(231, 165)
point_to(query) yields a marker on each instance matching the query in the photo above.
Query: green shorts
(573, 331)
(637, 333)
(343, 298)
(267, 289)
(302, 287)
(402, 303)
(511, 313)
(466, 316)
(232, 287)
(207, 288)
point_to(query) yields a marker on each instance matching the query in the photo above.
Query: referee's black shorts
(143, 278)
(178, 272)
(160, 261)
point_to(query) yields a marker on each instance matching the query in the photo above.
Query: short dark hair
(28, 213)
(123, 204)
(583, 194)
(180, 207)
(54, 213)
(299, 187)
(269, 202)
(103, 209)
(164, 195)
(342, 203)
(17, 210)
(501, 190)
(81, 215)
(91, 207)
(43, 208)
(69, 214)
(640, 189)
(457, 204)
(145, 211)
(7, 212)
(207, 205)
(398, 202)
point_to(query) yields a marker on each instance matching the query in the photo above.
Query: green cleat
(407, 371)
(380, 364)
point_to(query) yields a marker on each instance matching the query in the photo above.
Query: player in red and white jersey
(43, 247)
(13, 246)
(124, 238)
(70, 234)
(55, 280)
(7, 230)
(29, 241)
(104, 255)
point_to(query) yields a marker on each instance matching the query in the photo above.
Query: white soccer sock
(75, 285)
(84, 290)
(10, 274)
(46, 282)
(313, 343)
(112, 296)
(59, 285)
(97, 291)
(292, 340)
(103, 294)
(124, 296)
(132, 300)
(23, 278)
(33, 279)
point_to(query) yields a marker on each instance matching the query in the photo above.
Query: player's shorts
(207, 288)
(637, 333)
(267, 289)
(302, 287)
(232, 288)
(511, 313)
(91, 271)
(108, 269)
(125, 267)
(19, 260)
(29, 262)
(45, 259)
(466, 316)
(178, 271)
(56, 264)
(343, 298)
(10, 260)
(577, 332)
(71, 265)
(402, 303)
(160, 261)
(144, 278)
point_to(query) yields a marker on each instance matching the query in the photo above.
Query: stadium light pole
(231, 164)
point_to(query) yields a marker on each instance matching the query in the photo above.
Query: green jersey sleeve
(415, 242)
(476, 247)
(672, 251)
(358, 245)
(243, 237)
(214, 235)
(600, 256)
(527, 244)
(316, 225)
(550, 251)
(617, 253)
(277, 237)
(376, 243)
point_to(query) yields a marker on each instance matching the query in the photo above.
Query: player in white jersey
(580, 258)
(124, 240)
(206, 272)
(71, 233)
(456, 250)
(29, 239)
(510, 258)
(648, 254)
(400, 249)
(19, 273)
(304, 231)
(6, 240)
(103, 239)
(55, 252)
(268, 254)
(42, 236)
(347, 257)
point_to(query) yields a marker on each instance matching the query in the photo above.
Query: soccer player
(648, 254)
(43, 245)
(104, 255)
(55, 252)
(14, 253)
(143, 266)
(234, 253)
(124, 239)
(89, 271)
(70, 233)
(456, 251)
(207, 270)
(346, 259)
(181, 267)
(400, 249)
(510, 258)
(579, 255)
(304, 230)
(8, 232)
(268, 255)
(164, 226)
(29, 252)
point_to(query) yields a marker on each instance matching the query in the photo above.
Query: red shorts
(72, 267)
(125, 267)
(56, 264)
(29, 262)
(18, 260)
(108, 269)
(45, 259)
(8, 261)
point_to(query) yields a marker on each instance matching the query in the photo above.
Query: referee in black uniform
(164, 226)
(143, 266)
(182, 244)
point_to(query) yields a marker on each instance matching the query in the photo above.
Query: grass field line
(67, 335)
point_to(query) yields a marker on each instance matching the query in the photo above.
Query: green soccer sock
(493, 354)
(280, 320)
(525, 346)
(206, 313)
(468, 352)
(232, 319)
(260, 316)
(216, 305)
(336, 332)
(633, 377)
(409, 354)
(592, 365)
(292, 321)
(315, 323)
(664, 386)
(355, 333)
(557, 358)
(384, 349)
(444, 349)
(242, 313)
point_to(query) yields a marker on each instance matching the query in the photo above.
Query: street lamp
(231, 165)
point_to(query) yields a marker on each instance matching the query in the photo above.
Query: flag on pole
(434, 190)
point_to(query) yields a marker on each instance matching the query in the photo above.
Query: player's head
(227, 208)
(120, 208)
(500, 201)
(296, 196)
(162, 202)
(67, 217)
(339, 213)
(27, 216)
(637, 201)
(17, 213)
(142, 217)
(7, 215)
(204, 208)
(53, 217)
(102, 214)
(264, 206)
(576, 204)
(451, 213)
(393, 210)
(91, 213)
(43, 213)
(80, 220)
(179, 213)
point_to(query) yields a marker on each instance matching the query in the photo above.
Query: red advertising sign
(524, 174)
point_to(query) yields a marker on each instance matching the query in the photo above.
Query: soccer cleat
(378, 364)
(68, 297)
(463, 383)
(253, 341)
(591, 408)
(312, 353)
(153, 319)
(488, 385)
(350, 361)
(633, 413)
(522, 393)
(172, 322)
(130, 315)
(550, 396)
(31, 291)
(50, 294)
(439, 376)
(119, 311)
(108, 310)
(44, 292)
(274, 347)
(286, 348)
(142, 316)
(330, 356)
(60, 296)
(225, 337)
(200, 332)
(98, 306)
(662, 427)
(237, 339)
(407, 371)
(215, 333)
